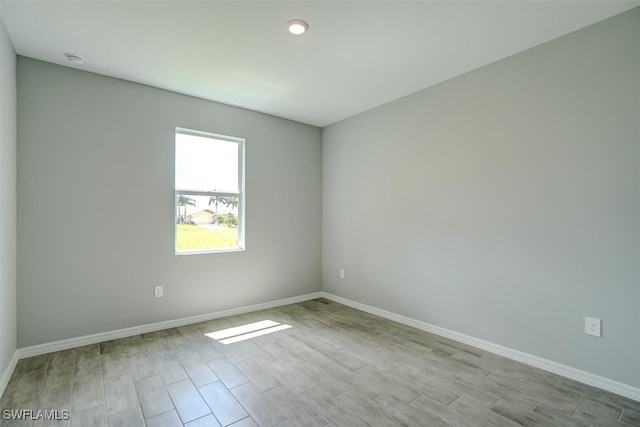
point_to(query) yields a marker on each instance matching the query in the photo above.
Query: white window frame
(240, 195)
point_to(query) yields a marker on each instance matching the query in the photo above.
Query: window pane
(206, 164)
(209, 205)
(206, 222)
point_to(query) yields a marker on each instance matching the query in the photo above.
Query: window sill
(210, 251)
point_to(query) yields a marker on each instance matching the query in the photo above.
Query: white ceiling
(356, 55)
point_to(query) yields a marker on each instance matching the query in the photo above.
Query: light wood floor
(334, 366)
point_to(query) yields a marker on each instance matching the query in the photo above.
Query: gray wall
(503, 204)
(96, 207)
(7, 200)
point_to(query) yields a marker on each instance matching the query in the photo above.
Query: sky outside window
(206, 164)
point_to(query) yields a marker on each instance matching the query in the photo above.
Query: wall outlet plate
(158, 291)
(593, 326)
(342, 273)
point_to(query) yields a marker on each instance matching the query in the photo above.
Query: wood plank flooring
(334, 366)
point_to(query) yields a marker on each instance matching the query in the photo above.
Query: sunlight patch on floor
(248, 331)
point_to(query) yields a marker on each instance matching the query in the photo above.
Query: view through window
(209, 192)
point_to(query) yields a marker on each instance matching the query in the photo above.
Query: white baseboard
(152, 327)
(548, 365)
(529, 359)
(6, 375)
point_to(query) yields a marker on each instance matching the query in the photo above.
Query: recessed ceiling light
(74, 59)
(297, 26)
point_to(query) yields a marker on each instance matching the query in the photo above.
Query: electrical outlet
(158, 291)
(592, 326)
(342, 273)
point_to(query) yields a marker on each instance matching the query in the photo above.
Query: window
(209, 205)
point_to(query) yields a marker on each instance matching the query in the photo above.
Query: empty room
(319, 213)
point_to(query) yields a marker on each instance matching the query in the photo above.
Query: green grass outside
(195, 237)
